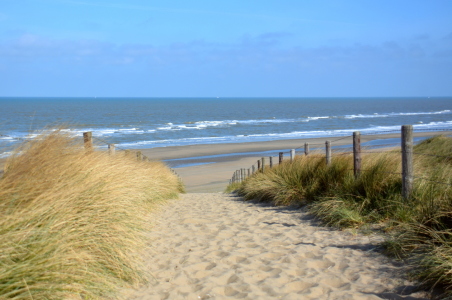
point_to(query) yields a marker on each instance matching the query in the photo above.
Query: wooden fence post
(292, 155)
(258, 165)
(88, 141)
(281, 157)
(254, 169)
(328, 152)
(407, 161)
(139, 156)
(270, 161)
(263, 164)
(111, 149)
(243, 174)
(356, 153)
(306, 149)
(249, 172)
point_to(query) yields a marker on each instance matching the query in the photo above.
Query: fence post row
(407, 158)
(407, 161)
(356, 153)
(328, 152)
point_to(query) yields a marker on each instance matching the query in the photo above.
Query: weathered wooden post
(254, 169)
(407, 161)
(328, 152)
(111, 149)
(356, 153)
(292, 155)
(258, 165)
(88, 141)
(270, 161)
(263, 164)
(139, 156)
(281, 157)
(243, 174)
(306, 149)
(249, 172)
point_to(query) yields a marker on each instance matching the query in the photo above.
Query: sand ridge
(216, 246)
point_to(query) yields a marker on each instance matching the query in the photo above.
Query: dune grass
(419, 229)
(72, 224)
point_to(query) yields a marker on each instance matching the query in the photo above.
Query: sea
(137, 123)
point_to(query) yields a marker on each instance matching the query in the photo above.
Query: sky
(246, 48)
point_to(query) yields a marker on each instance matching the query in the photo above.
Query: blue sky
(289, 48)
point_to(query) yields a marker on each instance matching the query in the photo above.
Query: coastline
(208, 167)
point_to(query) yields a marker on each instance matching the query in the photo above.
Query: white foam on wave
(5, 154)
(7, 138)
(107, 131)
(386, 115)
(317, 118)
(223, 123)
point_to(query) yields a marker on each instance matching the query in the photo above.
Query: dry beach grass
(72, 223)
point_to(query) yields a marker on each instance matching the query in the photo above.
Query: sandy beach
(211, 245)
(217, 246)
(209, 167)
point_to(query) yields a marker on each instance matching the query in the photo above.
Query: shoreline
(208, 167)
(247, 149)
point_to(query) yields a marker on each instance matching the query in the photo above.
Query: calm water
(152, 122)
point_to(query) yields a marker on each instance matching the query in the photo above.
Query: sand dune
(216, 246)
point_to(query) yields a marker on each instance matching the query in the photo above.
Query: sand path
(215, 246)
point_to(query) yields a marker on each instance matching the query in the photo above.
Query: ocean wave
(317, 118)
(208, 124)
(386, 115)
(197, 125)
(289, 135)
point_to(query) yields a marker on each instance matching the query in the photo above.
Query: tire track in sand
(215, 246)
